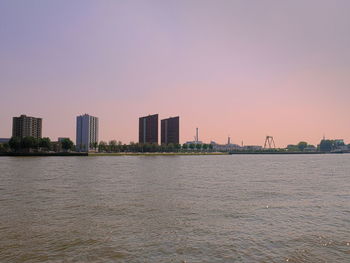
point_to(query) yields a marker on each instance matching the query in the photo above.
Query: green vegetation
(117, 147)
(15, 143)
(46, 154)
(67, 144)
(4, 147)
(157, 154)
(29, 144)
(301, 147)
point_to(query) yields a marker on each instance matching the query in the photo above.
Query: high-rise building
(170, 130)
(24, 126)
(148, 129)
(87, 132)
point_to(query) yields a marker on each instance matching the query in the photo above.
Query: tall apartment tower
(24, 126)
(148, 129)
(170, 130)
(87, 132)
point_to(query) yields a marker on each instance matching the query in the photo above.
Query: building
(310, 148)
(148, 129)
(60, 139)
(170, 130)
(225, 147)
(193, 142)
(24, 126)
(87, 132)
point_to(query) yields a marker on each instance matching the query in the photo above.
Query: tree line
(114, 146)
(28, 144)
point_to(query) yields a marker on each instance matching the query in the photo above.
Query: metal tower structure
(196, 137)
(270, 142)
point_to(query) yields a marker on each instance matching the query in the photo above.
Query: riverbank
(43, 154)
(266, 152)
(46, 154)
(157, 154)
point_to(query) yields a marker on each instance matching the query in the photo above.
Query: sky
(244, 69)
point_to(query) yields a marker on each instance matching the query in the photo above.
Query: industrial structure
(269, 143)
(196, 139)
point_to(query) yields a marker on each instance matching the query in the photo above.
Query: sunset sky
(241, 68)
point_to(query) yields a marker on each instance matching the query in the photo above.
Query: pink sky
(241, 68)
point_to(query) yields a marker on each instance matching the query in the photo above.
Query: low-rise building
(310, 148)
(225, 147)
(193, 142)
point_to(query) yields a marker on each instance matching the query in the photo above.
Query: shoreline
(158, 154)
(292, 153)
(75, 154)
(12, 154)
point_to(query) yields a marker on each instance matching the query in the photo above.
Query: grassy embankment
(273, 152)
(157, 154)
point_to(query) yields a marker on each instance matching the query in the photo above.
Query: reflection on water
(175, 209)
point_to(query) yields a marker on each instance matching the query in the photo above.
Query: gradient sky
(241, 68)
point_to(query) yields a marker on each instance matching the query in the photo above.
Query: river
(239, 208)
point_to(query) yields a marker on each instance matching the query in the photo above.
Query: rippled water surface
(246, 208)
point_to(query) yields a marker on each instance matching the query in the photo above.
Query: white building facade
(87, 132)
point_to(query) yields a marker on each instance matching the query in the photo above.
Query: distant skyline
(244, 69)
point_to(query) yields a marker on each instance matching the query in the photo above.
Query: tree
(185, 146)
(302, 146)
(15, 143)
(154, 147)
(145, 147)
(5, 147)
(45, 143)
(67, 144)
(94, 145)
(192, 146)
(29, 143)
(211, 146)
(131, 147)
(170, 147)
(177, 147)
(205, 147)
(119, 146)
(198, 146)
(102, 147)
(113, 145)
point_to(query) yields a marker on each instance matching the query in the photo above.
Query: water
(246, 208)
